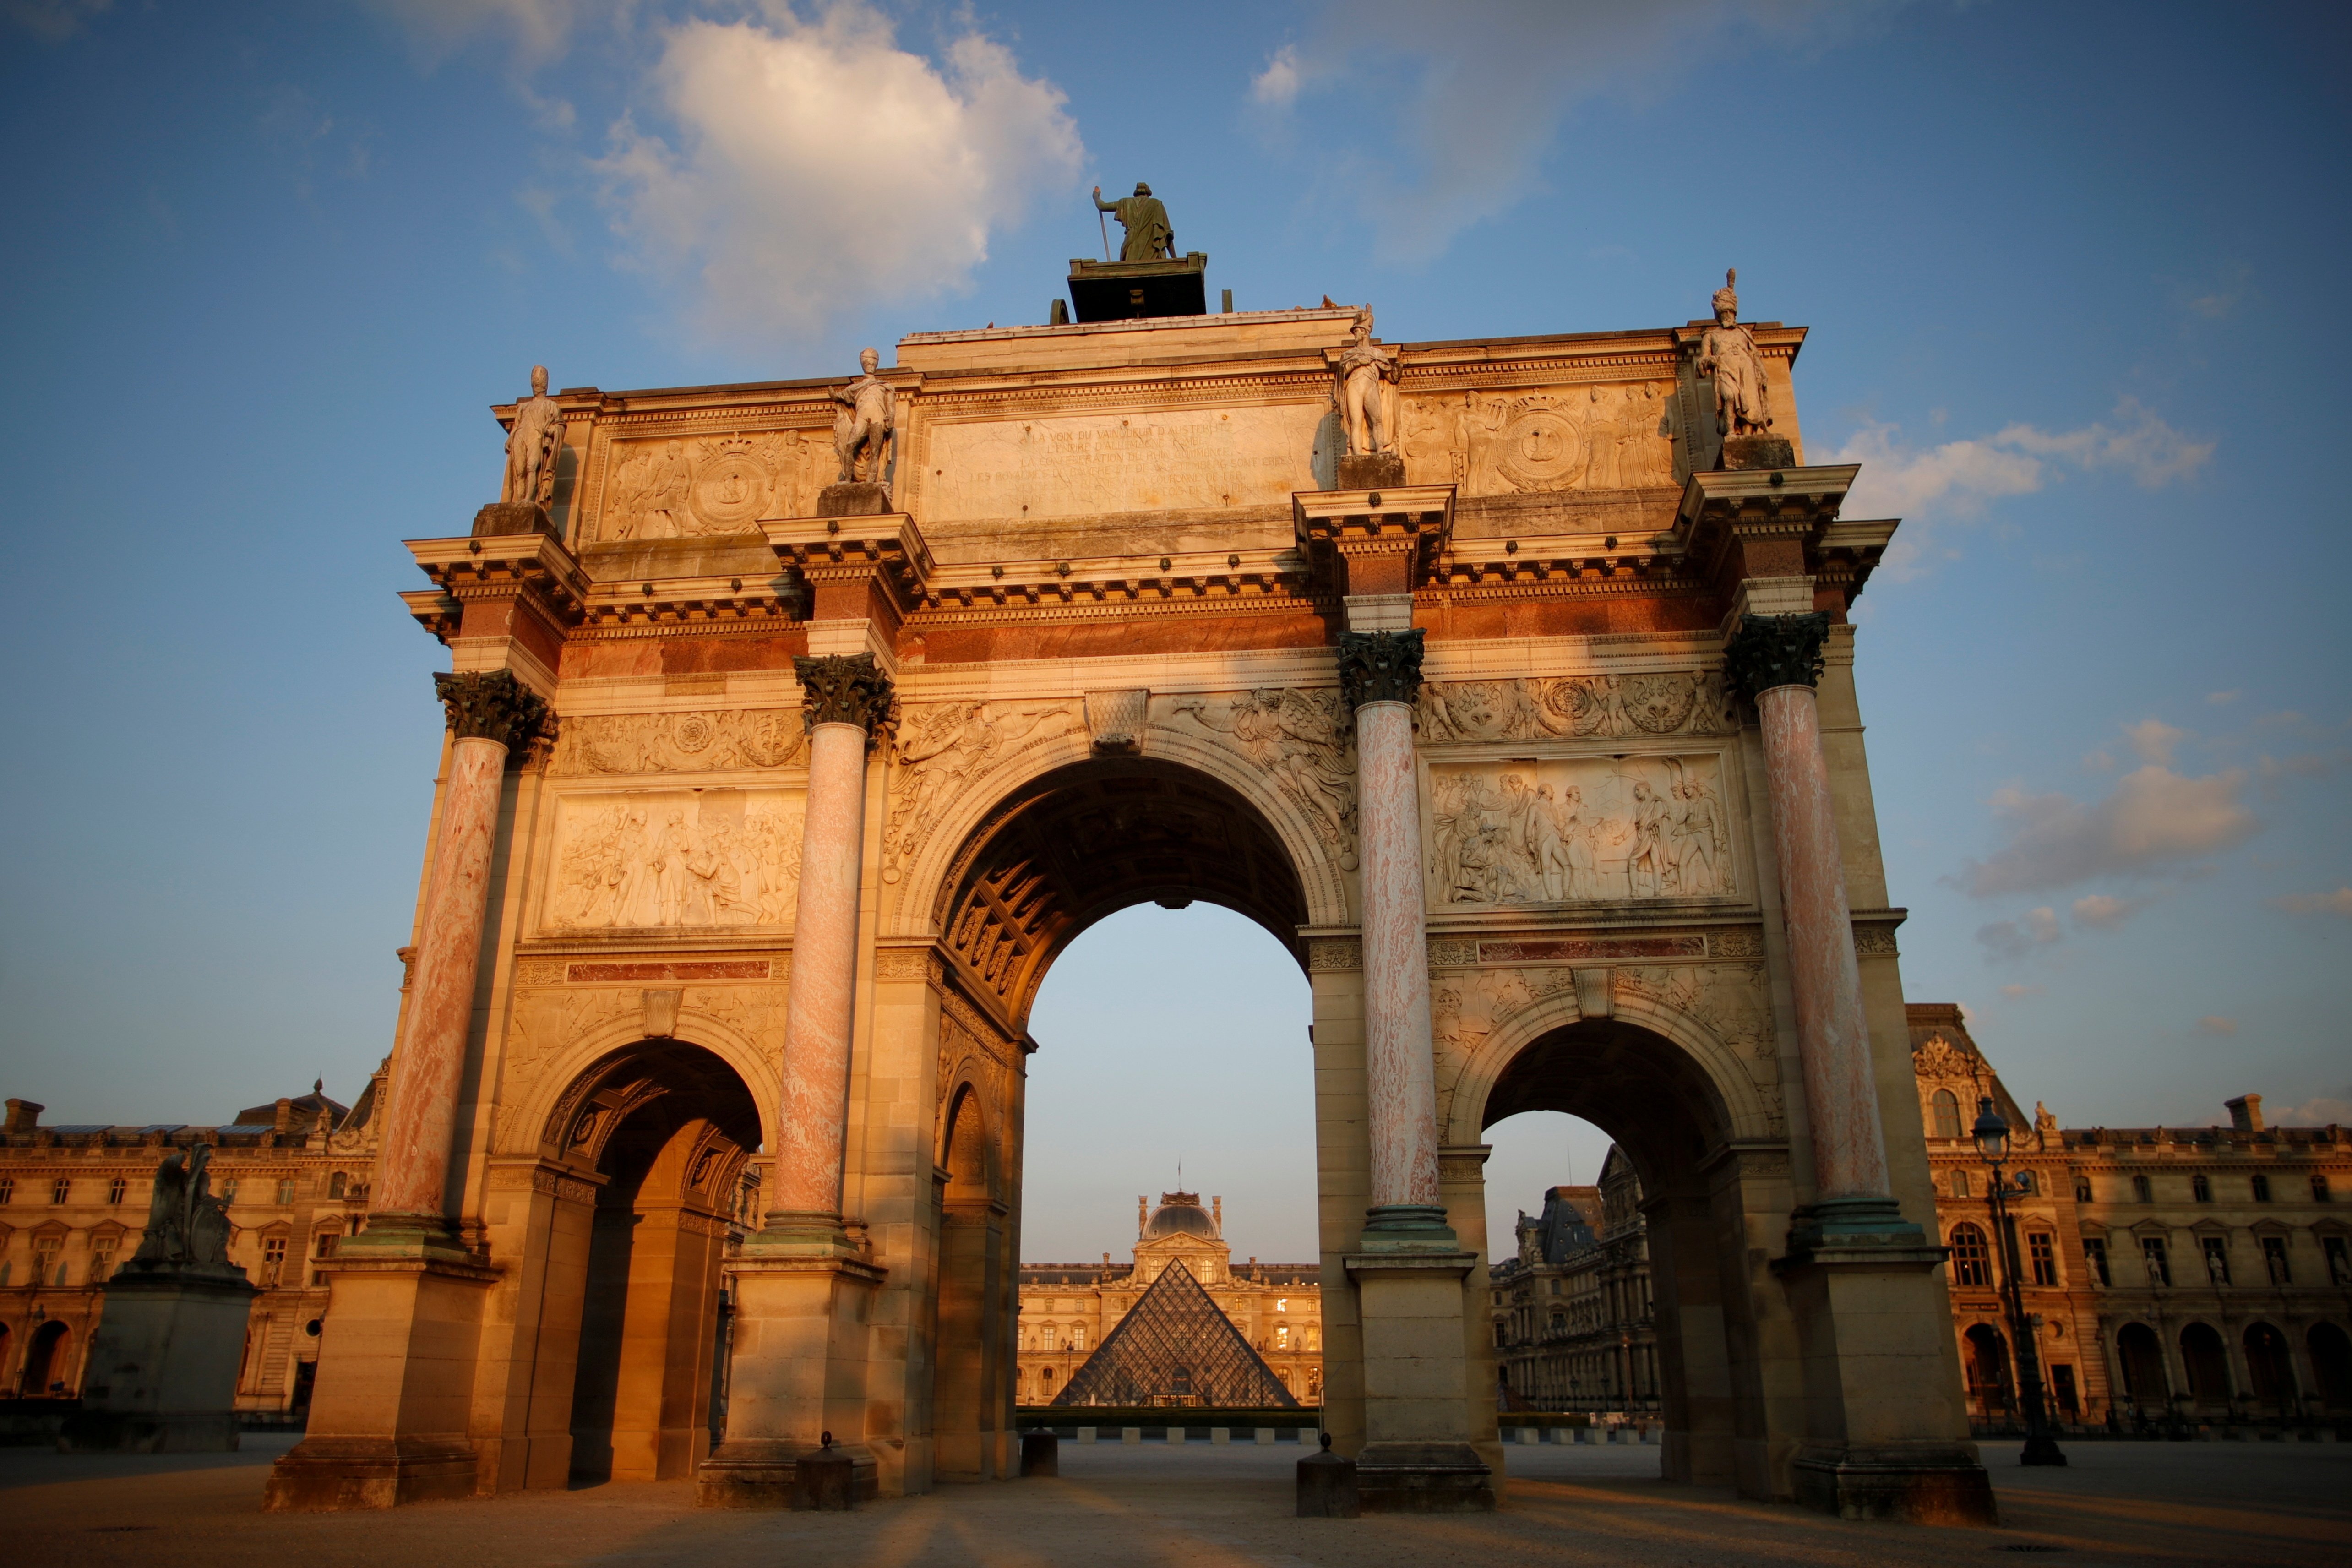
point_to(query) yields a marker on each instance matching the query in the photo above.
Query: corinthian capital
(491, 705)
(1774, 651)
(844, 689)
(1380, 667)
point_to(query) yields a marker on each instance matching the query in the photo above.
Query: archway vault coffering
(1086, 840)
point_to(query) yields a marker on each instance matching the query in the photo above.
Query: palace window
(2081, 1189)
(335, 1184)
(102, 1259)
(2042, 1253)
(2262, 1189)
(2217, 1260)
(2139, 1190)
(2151, 1254)
(2339, 1259)
(2274, 1259)
(1959, 1183)
(1971, 1261)
(60, 1190)
(47, 1269)
(115, 1189)
(285, 1191)
(1045, 1338)
(1947, 1111)
(2094, 1253)
(2200, 1189)
(1045, 1377)
(1078, 1338)
(2318, 1188)
(1282, 1337)
(273, 1260)
(7, 1189)
(228, 1191)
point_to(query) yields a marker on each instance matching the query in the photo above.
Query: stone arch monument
(768, 800)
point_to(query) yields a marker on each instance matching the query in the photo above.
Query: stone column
(1777, 660)
(804, 1291)
(846, 698)
(1419, 1453)
(489, 714)
(1381, 672)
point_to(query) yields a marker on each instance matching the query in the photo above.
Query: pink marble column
(1400, 1078)
(488, 714)
(1381, 672)
(1777, 659)
(846, 697)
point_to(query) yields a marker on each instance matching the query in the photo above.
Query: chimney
(1217, 1214)
(2246, 1113)
(24, 1115)
(284, 1120)
(1142, 1216)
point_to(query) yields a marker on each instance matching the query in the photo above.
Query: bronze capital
(491, 705)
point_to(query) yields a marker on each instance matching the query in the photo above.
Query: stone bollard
(824, 1481)
(1265, 1434)
(1040, 1454)
(1130, 1434)
(1327, 1485)
(1221, 1434)
(1531, 1435)
(1086, 1434)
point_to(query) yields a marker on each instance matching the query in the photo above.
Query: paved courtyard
(1226, 1508)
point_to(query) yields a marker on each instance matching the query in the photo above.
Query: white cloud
(2320, 1110)
(1958, 480)
(2099, 762)
(816, 167)
(2154, 741)
(1278, 85)
(2215, 1025)
(2012, 940)
(2338, 903)
(2153, 818)
(2107, 912)
(1439, 117)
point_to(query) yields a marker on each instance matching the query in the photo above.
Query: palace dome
(1180, 1214)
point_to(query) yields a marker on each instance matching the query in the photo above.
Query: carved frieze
(940, 747)
(1551, 830)
(1730, 999)
(1609, 436)
(1334, 953)
(676, 859)
(704, 741)
(680, 486)
(1595, 706)
(1300, 739)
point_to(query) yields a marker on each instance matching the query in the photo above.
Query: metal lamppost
(1992, 1134)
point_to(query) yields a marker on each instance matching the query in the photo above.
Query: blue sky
(2066, 271)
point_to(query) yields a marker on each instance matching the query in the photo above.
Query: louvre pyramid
(1176, 1348)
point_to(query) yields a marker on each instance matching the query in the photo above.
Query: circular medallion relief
(730, 489)
(1540, 449)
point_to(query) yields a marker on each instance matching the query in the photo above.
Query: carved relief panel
(720, 740)
(678, 487)
(649, 859)
(1304, 743)
(1568, 829)
(1081, 464)
(1604, 436)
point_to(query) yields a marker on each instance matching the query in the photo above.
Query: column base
(149, 1431)
(1408, 1228)
(1836, 1227)
(1915, 1486)
(1423, 1477)
(331, 1475)
(763, 1473)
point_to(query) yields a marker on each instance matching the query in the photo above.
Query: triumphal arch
(795, 728)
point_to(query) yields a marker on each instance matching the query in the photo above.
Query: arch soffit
(983, 803)
(1747, 1117)
(522, 1126)
(970, 1087)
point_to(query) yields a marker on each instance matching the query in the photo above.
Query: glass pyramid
(1176, 1348)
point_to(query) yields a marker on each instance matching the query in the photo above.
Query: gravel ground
(1198, 1504)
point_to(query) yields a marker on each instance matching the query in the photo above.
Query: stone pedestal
(853, 498)
(1040, 1454)
(798, 1376)
(1417, 1457)
(1756, 452)
(162, 1373)
(1327, 1485)
(512, 517)
(1371, 472)
(388, 1426)
(824, 1481)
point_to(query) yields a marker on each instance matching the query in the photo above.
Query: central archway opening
(1171, 1063)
